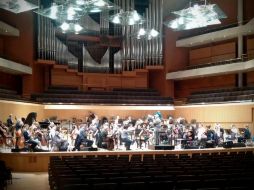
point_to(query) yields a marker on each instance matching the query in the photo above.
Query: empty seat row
(104, 101)
(167, 171)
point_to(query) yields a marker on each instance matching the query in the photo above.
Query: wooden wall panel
(11, 81)
(61, 77)
(250, 48)
(141, 79)
(184, 88)
(19, 49)
(128, 82)
(219, 113)
(213, 53)
(223, 57)
(200, 61)
(1, 46)
(174, 58)
(157, 81)
(201, 53)
(250, 78)
(134, 79)
(250, 44)
(248, 12)
(35, 82)
(20, 109)
(114, 81)
(221, 49)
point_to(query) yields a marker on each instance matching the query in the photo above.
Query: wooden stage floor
(38, 161)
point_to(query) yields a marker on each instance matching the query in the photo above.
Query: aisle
(29, 181)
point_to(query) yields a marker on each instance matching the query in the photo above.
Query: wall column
(240, 39)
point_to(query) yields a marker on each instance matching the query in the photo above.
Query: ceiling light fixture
(127, 18)
(71, 27)
(71, 11)
(17, 6)
(196, 16)
(148, 34)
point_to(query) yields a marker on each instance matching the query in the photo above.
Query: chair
(107, 186)
(188, 184)
(161, 185)
(134, 186)
(75, 187)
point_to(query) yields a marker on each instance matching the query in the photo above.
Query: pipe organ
(133, 53)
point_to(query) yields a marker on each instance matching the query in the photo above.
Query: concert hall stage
(38, 161)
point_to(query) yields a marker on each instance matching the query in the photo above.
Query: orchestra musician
(10, 122)
(28, 137)
(82, 138)
(144, 134)
(107, 136)
(125, 135)
(18, 133)
(157, 128)
(3, 132)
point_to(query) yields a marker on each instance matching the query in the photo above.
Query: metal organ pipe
(160, 39)
(144, 52)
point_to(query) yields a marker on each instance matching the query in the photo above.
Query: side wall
(184, 88)
(20, 109)
(212, 53)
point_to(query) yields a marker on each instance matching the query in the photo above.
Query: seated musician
(3, 132)
(106, 135)
(28, 138)
(125, 137)
(82, 138)
(58, 142)
(247, 133)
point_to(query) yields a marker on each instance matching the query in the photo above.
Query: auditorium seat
(105, 186)
(169, 185)
(222, 95)
(207, 171)
(75, 187)
(134, 186)
(124, 96)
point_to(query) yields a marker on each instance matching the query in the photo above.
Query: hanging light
(196, 16)
(65, 26)
(71, 28)
(77, 28)
(17, 6)
(148, 34)
(126, 18)
(75, 9)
